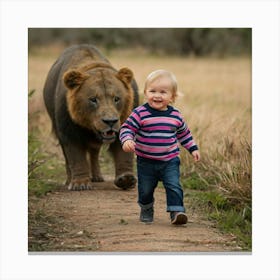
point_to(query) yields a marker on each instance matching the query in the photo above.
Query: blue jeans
(150, 172)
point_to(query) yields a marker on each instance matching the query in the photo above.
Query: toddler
(152, 131)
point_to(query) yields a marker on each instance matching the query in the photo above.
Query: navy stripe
(158, 154)
(193, 148)
(161, 124)
(128, 122)
(127, 132)
(157, 144)
(149, 134)
(133, 119)
(186, 141)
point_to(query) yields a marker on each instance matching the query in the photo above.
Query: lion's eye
(116, 99)
(93, 100)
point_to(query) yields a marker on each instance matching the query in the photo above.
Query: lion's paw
(125, 181)
(80, 185)
(97, 178)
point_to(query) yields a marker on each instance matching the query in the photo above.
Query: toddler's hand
(196, 155)
(129, 146)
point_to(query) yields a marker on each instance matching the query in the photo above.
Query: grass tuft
(43, 170)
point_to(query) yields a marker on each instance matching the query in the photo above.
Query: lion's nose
(110, 122)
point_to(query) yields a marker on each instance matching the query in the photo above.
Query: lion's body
(87, 100)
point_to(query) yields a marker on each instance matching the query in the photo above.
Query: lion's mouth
(108, 136)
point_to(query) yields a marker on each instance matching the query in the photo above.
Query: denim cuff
(146, 206)
(175, 208)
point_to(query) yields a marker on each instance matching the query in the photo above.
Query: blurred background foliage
(218, 42)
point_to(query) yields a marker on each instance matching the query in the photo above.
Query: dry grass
(215, 100)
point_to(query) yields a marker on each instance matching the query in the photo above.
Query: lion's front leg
(124, 175)
(78, 168)
(96, 175)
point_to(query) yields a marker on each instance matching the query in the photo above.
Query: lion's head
(99, 98)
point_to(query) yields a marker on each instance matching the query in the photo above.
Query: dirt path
(106, 219)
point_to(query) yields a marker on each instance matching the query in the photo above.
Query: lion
(87, 100)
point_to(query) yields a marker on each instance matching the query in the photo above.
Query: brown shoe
(178, 218)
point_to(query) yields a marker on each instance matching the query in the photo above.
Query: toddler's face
(159, 93)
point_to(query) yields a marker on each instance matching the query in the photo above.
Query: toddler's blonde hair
(163, 73)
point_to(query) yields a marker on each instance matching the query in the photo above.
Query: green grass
(234, 221)
(227, 215)
(220, 185)
(195, 182)
(44, 171)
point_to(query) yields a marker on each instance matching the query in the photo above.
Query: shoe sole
(146, 223)
(180, 219)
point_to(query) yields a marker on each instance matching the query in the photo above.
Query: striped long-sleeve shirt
(156, 133)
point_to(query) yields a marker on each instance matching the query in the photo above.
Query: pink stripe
(128, 128)
(177, 114)
(163, 158)
(144, 114)
(155, 149)
(184, 134)
(155, 128)
(127, 138)
(188, 145)
(136, 117)
(152, 140)
(156, 120)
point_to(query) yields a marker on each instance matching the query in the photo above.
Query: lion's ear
(125, 75)
(74, 78)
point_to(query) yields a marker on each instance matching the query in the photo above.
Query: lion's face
(99, 100)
